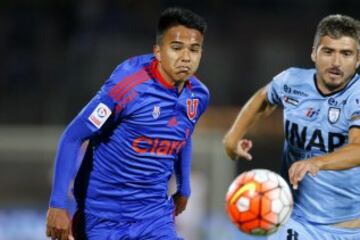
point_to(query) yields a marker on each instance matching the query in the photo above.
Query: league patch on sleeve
(99, 116)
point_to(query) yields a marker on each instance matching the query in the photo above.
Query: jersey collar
(349, 84)
(161, 79)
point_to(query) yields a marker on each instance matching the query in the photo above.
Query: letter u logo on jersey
(192, 106)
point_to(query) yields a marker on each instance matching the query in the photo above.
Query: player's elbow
(226, 140)
(229, 144)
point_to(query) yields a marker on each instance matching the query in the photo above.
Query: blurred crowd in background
(56, 54)
(70, 47)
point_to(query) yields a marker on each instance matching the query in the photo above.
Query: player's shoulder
(353, 88)
(137, 62)
(129, 77)
(198, 86)
(355, 82)
(200, 91)
(132, 67)
(295, 74)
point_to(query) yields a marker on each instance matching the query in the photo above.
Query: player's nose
(186, 56)
(336, 60)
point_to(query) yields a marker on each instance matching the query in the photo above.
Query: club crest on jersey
(156, 112)
(192, 107)
(333, 114)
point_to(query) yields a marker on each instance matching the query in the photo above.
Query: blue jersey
(140, 131)
(317, 124)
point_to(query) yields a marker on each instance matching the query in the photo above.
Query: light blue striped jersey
(316, 124)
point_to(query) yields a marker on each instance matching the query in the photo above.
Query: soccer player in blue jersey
(139, 128)
(321, 110)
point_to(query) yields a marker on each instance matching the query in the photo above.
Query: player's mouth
(183, 70)
(335, 72)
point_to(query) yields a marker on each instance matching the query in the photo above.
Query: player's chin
(183, 75)
(335, 82)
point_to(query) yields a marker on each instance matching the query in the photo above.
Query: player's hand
(180, 203)
(298, 170)
(240, 150)
(58, 225)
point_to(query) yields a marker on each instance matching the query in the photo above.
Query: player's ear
(156, 51)
(358, 60)
(313, 54)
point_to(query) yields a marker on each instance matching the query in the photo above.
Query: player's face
(336, 61)
(179, 53)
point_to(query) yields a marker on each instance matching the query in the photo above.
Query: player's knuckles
(301, 176)
(296, 175)
(299, 173)
(61, 228)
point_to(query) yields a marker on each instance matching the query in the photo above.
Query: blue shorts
(298, 229)
(90, 227)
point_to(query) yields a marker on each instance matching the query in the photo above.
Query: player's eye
(176, 47)
(195, 49)
(347, 53)
(326, 50)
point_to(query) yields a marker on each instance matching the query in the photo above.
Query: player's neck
(326, 90)
(168, 81)
(180, 86)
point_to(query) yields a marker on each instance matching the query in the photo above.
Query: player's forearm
(256, 108)
(66, 161)
(64, 171)
(344, 158)
(183, 170)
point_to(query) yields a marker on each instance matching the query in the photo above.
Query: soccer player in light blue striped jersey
(321, 110)
(139, 128)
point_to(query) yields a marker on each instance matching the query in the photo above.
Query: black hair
(336, 26)
(175, 16)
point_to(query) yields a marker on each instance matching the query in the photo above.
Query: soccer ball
(259, 201)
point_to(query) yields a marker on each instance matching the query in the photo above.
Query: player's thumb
(246, 155)
(242, 153)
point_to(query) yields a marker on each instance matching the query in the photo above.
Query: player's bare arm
(58, 224)
(256, 108)
(344, 158)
